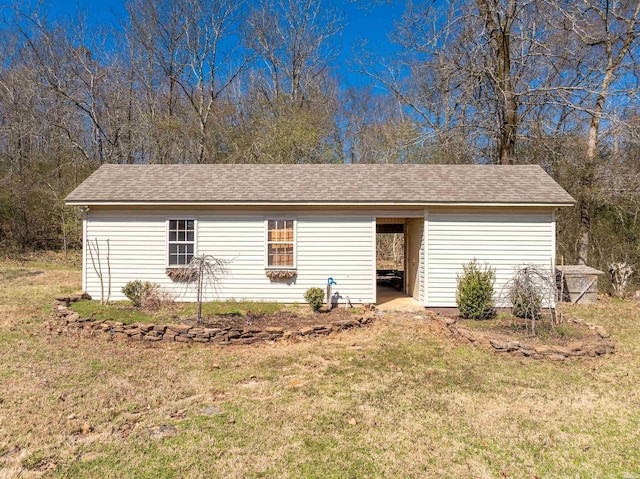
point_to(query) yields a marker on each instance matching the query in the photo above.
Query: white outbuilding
(282, 229)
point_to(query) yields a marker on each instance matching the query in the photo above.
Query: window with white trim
(181, 241)
(280, 244)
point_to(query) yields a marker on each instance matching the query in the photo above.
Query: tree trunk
(509, 126)
(613, 63)
(582, 246)
(499, 32)
(199, 291)
(584, 202)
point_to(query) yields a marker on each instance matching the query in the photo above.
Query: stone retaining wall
(70, 322)
(599, 345)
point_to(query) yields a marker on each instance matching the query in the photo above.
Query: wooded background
(222, 81)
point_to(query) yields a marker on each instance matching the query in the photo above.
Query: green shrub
(475, 291)
(315, 298)
(136, 291)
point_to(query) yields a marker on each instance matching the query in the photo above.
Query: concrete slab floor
(391, 300)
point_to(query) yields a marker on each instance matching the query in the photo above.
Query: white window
(181, 241)
(280, 243)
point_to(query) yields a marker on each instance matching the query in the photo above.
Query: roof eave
(559, 204)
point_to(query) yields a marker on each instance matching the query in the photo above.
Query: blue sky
(364, 21)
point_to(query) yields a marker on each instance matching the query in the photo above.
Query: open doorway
(398, 243)
(390, 255)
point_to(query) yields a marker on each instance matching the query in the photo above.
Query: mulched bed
(222, 330)
(281, 319)
(519, 329)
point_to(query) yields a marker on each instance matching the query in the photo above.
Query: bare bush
(531, 289)
(204, 271)
(96, 261)
(156, 298)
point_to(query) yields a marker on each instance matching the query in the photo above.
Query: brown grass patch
(397, 399)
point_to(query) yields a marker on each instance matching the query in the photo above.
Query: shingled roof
(320, 184)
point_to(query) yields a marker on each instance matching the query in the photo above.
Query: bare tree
(192, 43)
(470, 67)
(608, 32)
(291, 100)
(96, 262)
(204, 271)
(295, 41)
(65, 65)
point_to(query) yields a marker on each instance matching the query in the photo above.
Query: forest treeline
(223, 81)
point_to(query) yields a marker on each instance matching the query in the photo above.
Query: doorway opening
(398, 243)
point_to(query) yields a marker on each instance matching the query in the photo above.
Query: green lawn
(398, 399)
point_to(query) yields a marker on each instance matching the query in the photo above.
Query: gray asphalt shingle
(338, 184)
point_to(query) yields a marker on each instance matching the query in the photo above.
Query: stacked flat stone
(70, 322)
(600, 344)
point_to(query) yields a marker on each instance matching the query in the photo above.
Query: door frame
(413, 231)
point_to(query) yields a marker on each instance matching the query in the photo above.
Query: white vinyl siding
(327, 245)
(422, 266)
(502, 239)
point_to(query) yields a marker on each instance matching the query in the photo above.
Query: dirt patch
(281, 319)
(513, 328)
(574, 338)
(13, 274)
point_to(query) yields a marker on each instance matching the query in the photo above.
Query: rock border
(599, 346)
(71, 323)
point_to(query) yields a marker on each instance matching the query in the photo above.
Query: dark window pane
(181, 242)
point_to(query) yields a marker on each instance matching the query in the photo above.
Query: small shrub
(315, 298)
(136, 291)
(475, 291)
(155, 298)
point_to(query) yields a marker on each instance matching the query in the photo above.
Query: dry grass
(396, 400)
